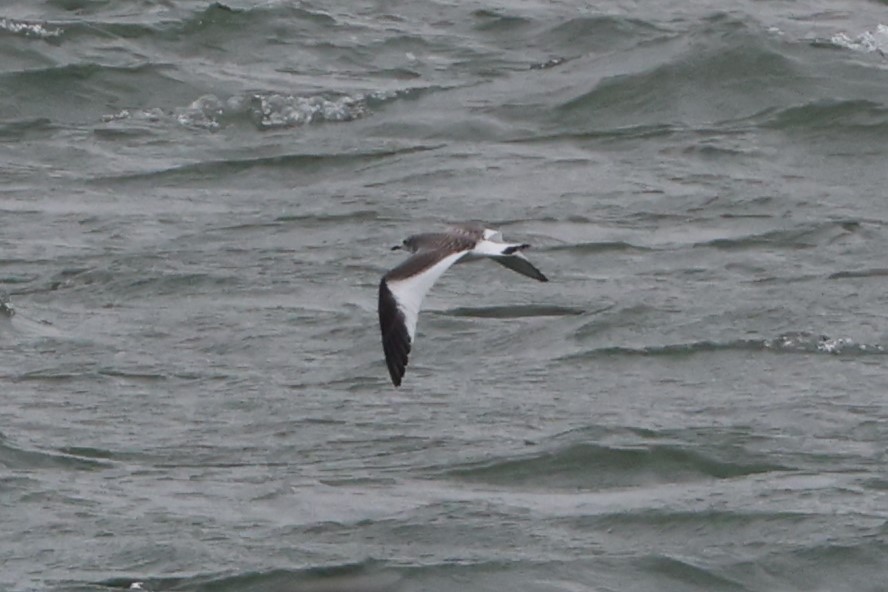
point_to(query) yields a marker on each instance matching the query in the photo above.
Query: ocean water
(197, 202)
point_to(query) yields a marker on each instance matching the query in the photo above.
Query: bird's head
(408, 244)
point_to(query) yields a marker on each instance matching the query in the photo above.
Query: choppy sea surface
(197, 202)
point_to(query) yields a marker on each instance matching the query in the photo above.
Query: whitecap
(867, 42)
(29, 29)
(204, 112)
(803, 342)
(264, 110)
(6, 308)
(278, 110)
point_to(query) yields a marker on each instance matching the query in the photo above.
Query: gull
(402, 289)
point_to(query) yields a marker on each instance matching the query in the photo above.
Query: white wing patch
(410, 292)
(488, 248)
(492, 235)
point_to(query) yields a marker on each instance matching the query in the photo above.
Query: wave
(203, 25)
(65, 77)
(596, 466)
(287, 164)
(592, 248)
(514, 311)
(332, 218)
(491, 21)
(78, 92)
(796, 342)
(16, 458)
(25, 129)
(367, 576)
(804, 236)
(7, 310)
(150, 82)
(55, 375)
(681, 569)
(125, 281)
(721, 71)
(726, 74)
(848, 116)
(575, 35)
(29, 28)
(646, 554)
(875, 41)
(877, 272)
(266, 110)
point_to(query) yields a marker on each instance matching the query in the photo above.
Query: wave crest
(267, 110)
(29, 29)
(800, 342)
(875, 41)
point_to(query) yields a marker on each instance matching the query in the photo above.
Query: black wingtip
(516, 248)
(395, 339)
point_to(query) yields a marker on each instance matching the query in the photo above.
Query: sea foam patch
(867, 42)
(264, 110)
(29, 29)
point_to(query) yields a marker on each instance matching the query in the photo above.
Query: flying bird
(402, 289)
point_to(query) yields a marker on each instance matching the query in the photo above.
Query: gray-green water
(197, 202)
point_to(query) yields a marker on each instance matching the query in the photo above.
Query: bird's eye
(404, 242)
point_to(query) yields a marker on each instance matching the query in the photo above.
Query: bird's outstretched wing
(518, 262)
(401, 293)
(508, 255)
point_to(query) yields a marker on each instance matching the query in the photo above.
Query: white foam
(6, 308)
(804, 342)
(204, 112)
(867, 42)
(276, 110)
(844, 345)
(29, 29)
(266, 110)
